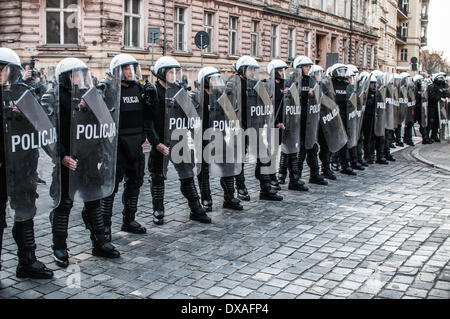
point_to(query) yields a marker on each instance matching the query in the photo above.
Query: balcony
(423, 41)
(400, 36)
(403, 10)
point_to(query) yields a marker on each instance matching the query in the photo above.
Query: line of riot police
(88, 138)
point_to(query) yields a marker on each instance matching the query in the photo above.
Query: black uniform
(203, 178)
(156, 166)
(135, 114)
(436, 91)
(266, 191)
(22, 203)
(287, 161)
(92, 214)
(372, 142)
(340, 89)
(310, 155)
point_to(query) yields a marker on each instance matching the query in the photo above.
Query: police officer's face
(250, 72)
(281, 73)
(127, 71)
(306, 69)
(76, 78)
(170, 75)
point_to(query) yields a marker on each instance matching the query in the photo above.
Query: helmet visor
(174, 75)
(131, 72)
(81, 78)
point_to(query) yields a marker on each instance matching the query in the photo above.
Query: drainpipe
(351, 33)
(165, 29)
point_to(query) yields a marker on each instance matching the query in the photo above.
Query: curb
(417, 156)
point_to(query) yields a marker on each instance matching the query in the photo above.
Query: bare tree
(434, 61)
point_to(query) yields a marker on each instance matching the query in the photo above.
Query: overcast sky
(439, 26)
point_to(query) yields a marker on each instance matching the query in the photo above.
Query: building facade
(412, 23)
(96, 30)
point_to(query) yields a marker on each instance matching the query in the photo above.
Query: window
(291, 43)
(404, 55)
(308, 43)
(254, 38)
(323, 5)
(366, 10)
(310, 3)
(209, 28)
(180, 29)
(358, 10)
(344, 51)
(232, 50)
(405, 30)
(61, 21)
(372, 58)
(365, 55)
(336, 6)
(346, 9)
(274, 41)
(356, 53)
(132, 24)
(406, 5)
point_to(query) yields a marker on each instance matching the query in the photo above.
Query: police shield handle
(294, 93)
(35, 114)
(262, 92)
(227, 107)
(185, 102)
(95, 102)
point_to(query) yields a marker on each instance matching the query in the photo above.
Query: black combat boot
(230, 201)
(266, 191)
(282, 173)
(295, 183)
(205, 189)
(327, 172)
(93, 220)
(242, 192)
(198, 213)
(130, 201)
(157, 190)
(106, 205)
(29, 266)
(59, 219)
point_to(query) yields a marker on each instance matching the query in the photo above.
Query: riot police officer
(21, 188)
(371, 140)
(245, 80)
(72, 75)
(288, 123)
(218, 116)
(420, 115)
(164, 69)
(437, 94)
(338, 74)
(135, 113)
(311, 155)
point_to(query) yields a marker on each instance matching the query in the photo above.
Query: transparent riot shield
(313, 112)
(390, 102)
(424, 106)
(30, 148)
(290, 142)
(411, 101)
(93, 137)
(224, 151)
(380, 108)
(443, 121)
(263, 137)
(363, 88)
(183, 129)
(330, 121)
(403, 101)
(352, 117)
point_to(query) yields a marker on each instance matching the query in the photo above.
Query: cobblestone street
(383, 234)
